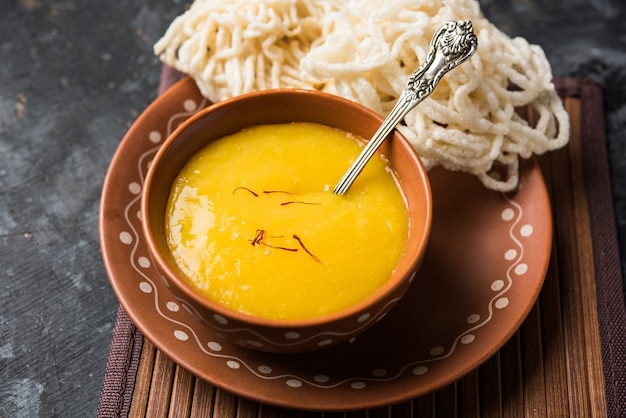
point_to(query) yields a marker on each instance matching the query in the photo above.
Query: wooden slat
(203, 397)
(568, 259)
(225, 404)
(511, 379)
(555, 370)
(468, 399)
(182, 394)
(293, 413)
(575, 269)
(589, 311)
(424, 406)
(247, 408)
(534, 390)
(384, 412)
(404, 409)
(446, 402)
(160, 387)
(551, 367)
(143, 379)
(269, 411)
(490, 387)
(311, 414)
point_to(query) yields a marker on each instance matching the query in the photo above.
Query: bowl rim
(396, 279)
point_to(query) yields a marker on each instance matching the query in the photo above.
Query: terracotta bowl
(283, 106)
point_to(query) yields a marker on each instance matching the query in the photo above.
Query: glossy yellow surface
(254, 224)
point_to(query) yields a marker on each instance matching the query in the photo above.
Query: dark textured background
(74, 74)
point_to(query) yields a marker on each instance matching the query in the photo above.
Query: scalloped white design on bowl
(185, 333)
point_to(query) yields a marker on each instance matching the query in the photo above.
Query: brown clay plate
(484, 267)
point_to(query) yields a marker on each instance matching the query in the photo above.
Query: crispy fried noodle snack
(365, 50)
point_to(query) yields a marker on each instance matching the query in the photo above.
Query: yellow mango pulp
(253, 222)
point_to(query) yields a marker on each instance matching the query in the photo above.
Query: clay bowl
(283, 106)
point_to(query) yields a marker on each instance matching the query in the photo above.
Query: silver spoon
(453, 44)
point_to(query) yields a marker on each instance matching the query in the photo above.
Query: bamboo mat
(565, 360)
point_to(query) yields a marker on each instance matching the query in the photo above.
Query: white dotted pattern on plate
(186, 334)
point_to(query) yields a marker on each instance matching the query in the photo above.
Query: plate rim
(372, 402)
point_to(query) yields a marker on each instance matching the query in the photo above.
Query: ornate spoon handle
(453, 44)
